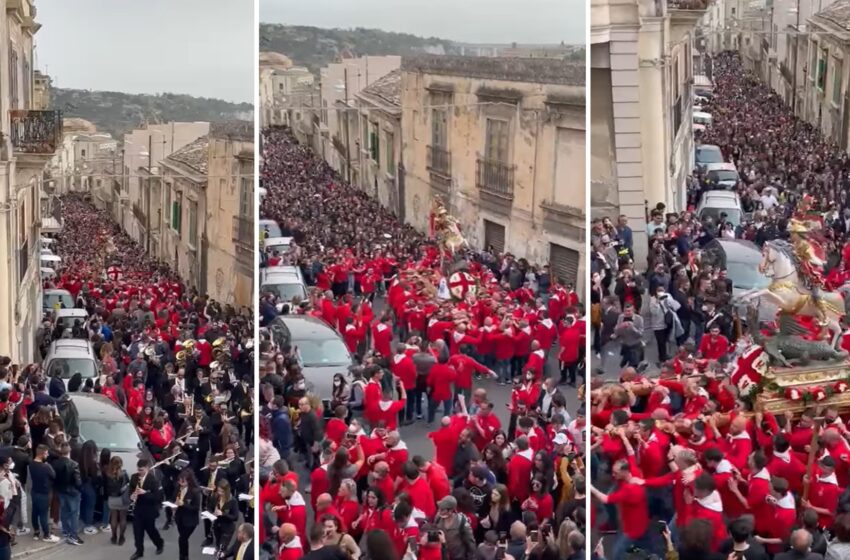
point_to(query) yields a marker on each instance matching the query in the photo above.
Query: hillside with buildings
(315, 47)
(118, 112)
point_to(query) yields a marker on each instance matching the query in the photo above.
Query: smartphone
(661, 526)
(433, 536)
(534, 536)
(500, 554)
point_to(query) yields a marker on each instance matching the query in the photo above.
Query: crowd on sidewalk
(178, 363)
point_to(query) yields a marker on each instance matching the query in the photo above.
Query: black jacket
(147, 504)
(68, 480)
(188, 514)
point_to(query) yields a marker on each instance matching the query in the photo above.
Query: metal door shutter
(494, 234)
(564, 263)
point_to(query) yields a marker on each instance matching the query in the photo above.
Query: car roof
(738, 250)
(71, 347)
(72, 312)
(708, 147)
(93, 406)
(56, 292)
(277, 241)
(307, 328)
(724, 166)
(267, 221)
(701, 114)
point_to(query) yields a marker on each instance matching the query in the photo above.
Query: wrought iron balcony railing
(36, 132)
(440, 160)
(495, 177)
(243, 231)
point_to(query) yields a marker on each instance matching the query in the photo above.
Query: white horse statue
(787, 291)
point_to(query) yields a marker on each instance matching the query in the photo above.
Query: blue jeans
(623, 543)
(69, 513)
(503, 368)
(40, 510)
(104, 518)
(432, 408)
(414, 404)
(87, 500)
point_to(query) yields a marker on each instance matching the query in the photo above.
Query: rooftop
(386, 89)
(234, 130)
(512, 69)
(194, 155)
(837, 13)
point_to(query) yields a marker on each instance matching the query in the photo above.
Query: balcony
(495, 178)
(686, 12)
(439, 161)
(36, 132)
(243, 231)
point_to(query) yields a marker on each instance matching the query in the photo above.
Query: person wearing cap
(456, 530)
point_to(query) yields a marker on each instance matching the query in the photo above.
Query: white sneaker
(106, 528)
(51, 538)
(90, 531)
(24, 531)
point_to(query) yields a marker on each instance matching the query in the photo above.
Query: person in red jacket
(503, 345)
(382, 336)
(707, 504)
(522, 347)
(484, 425)
(295, 509)
(715, 345)
(439, 381)
(570, 343)
(446, 440)
(402, 366)
(465, 365)
(372, 394)
(290, 545)
(388, 409)
(519, 471)
(354, 334)
(436, 475)
(536, 361)
(416, 486)
(824, 493)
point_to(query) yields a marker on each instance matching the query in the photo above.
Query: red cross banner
(114, 273)
(462, 283)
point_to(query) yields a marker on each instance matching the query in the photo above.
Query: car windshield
(328, 352)
(118, 436)
(285, 291)
(709, 155)
(281, 249)
(745, 275)
(50, 301)
(732, 215)
(273, 229)
(65, 368)
(720, 176)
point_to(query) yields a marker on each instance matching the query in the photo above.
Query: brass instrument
(181, 358)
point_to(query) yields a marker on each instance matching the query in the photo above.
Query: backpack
(460, 544)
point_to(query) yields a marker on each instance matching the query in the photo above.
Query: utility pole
(148, 197)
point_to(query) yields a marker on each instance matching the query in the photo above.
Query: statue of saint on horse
(797, 286)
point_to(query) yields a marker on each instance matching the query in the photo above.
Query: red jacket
(569, 340)
(522, 341)
(440, 380)
(438, 480)
(421, 496)
(710, 508)
(714, 349)
(382, 339)
(519, 475)
(353, 334)
(403, 367)
(465, 365)
(536, 362)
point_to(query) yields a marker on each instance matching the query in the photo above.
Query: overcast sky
(469, 21)
(200, 47)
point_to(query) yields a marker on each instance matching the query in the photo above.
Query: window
(13, 77)
(564, 263)
(177, 213)
(167, 201)
(246, 197)
(496, 148)
(836, 81)
(814, 64)
(390, 153)
(193, 223)
(375, 144)
(26, 78)
(822, 71)
(439, 127)
(494, 236)
(83, 153)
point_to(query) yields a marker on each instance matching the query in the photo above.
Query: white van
(704, 119)
(715, 203)
(286, 282)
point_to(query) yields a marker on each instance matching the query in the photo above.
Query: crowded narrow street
(377, 288)
(144, 380)
(678, 352)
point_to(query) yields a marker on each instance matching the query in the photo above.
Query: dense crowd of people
(683, 465)
(177, 362)
(486, 491)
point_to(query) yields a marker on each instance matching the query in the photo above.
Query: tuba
(221, 352)
(181, 358)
